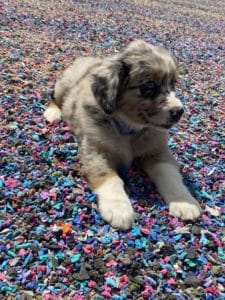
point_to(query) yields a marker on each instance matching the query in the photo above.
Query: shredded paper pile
(53, 241)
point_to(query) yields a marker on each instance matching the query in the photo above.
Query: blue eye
(148, 90)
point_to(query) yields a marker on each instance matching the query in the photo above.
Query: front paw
(186, 209)
(118, 212)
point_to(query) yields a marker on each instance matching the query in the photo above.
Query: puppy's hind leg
(52, 112)
(113, 202)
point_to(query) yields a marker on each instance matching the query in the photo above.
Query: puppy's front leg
(168, 180)
(113, 202)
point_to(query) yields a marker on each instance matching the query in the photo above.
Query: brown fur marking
(97, 180)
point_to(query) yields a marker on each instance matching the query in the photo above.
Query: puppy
(120, 108)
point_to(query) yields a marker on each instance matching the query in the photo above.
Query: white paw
(119, 213)
(186, 210)
(52, 113)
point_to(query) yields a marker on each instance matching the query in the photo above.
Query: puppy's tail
(52, 112)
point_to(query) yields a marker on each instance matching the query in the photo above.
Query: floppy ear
(107, 84)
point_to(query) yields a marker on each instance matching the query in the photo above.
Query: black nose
(176, 113)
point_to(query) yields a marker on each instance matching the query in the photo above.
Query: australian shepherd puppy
(120, 108)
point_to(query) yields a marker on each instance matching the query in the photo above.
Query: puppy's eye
(148, 89)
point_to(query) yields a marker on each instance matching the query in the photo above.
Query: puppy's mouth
(150, 122)
(167, 126)
(162, 126)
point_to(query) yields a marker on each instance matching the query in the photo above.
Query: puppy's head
(138, 85)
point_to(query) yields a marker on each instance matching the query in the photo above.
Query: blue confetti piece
(111, 282)
(75, 257)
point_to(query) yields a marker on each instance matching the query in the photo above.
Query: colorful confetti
(53, 242)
